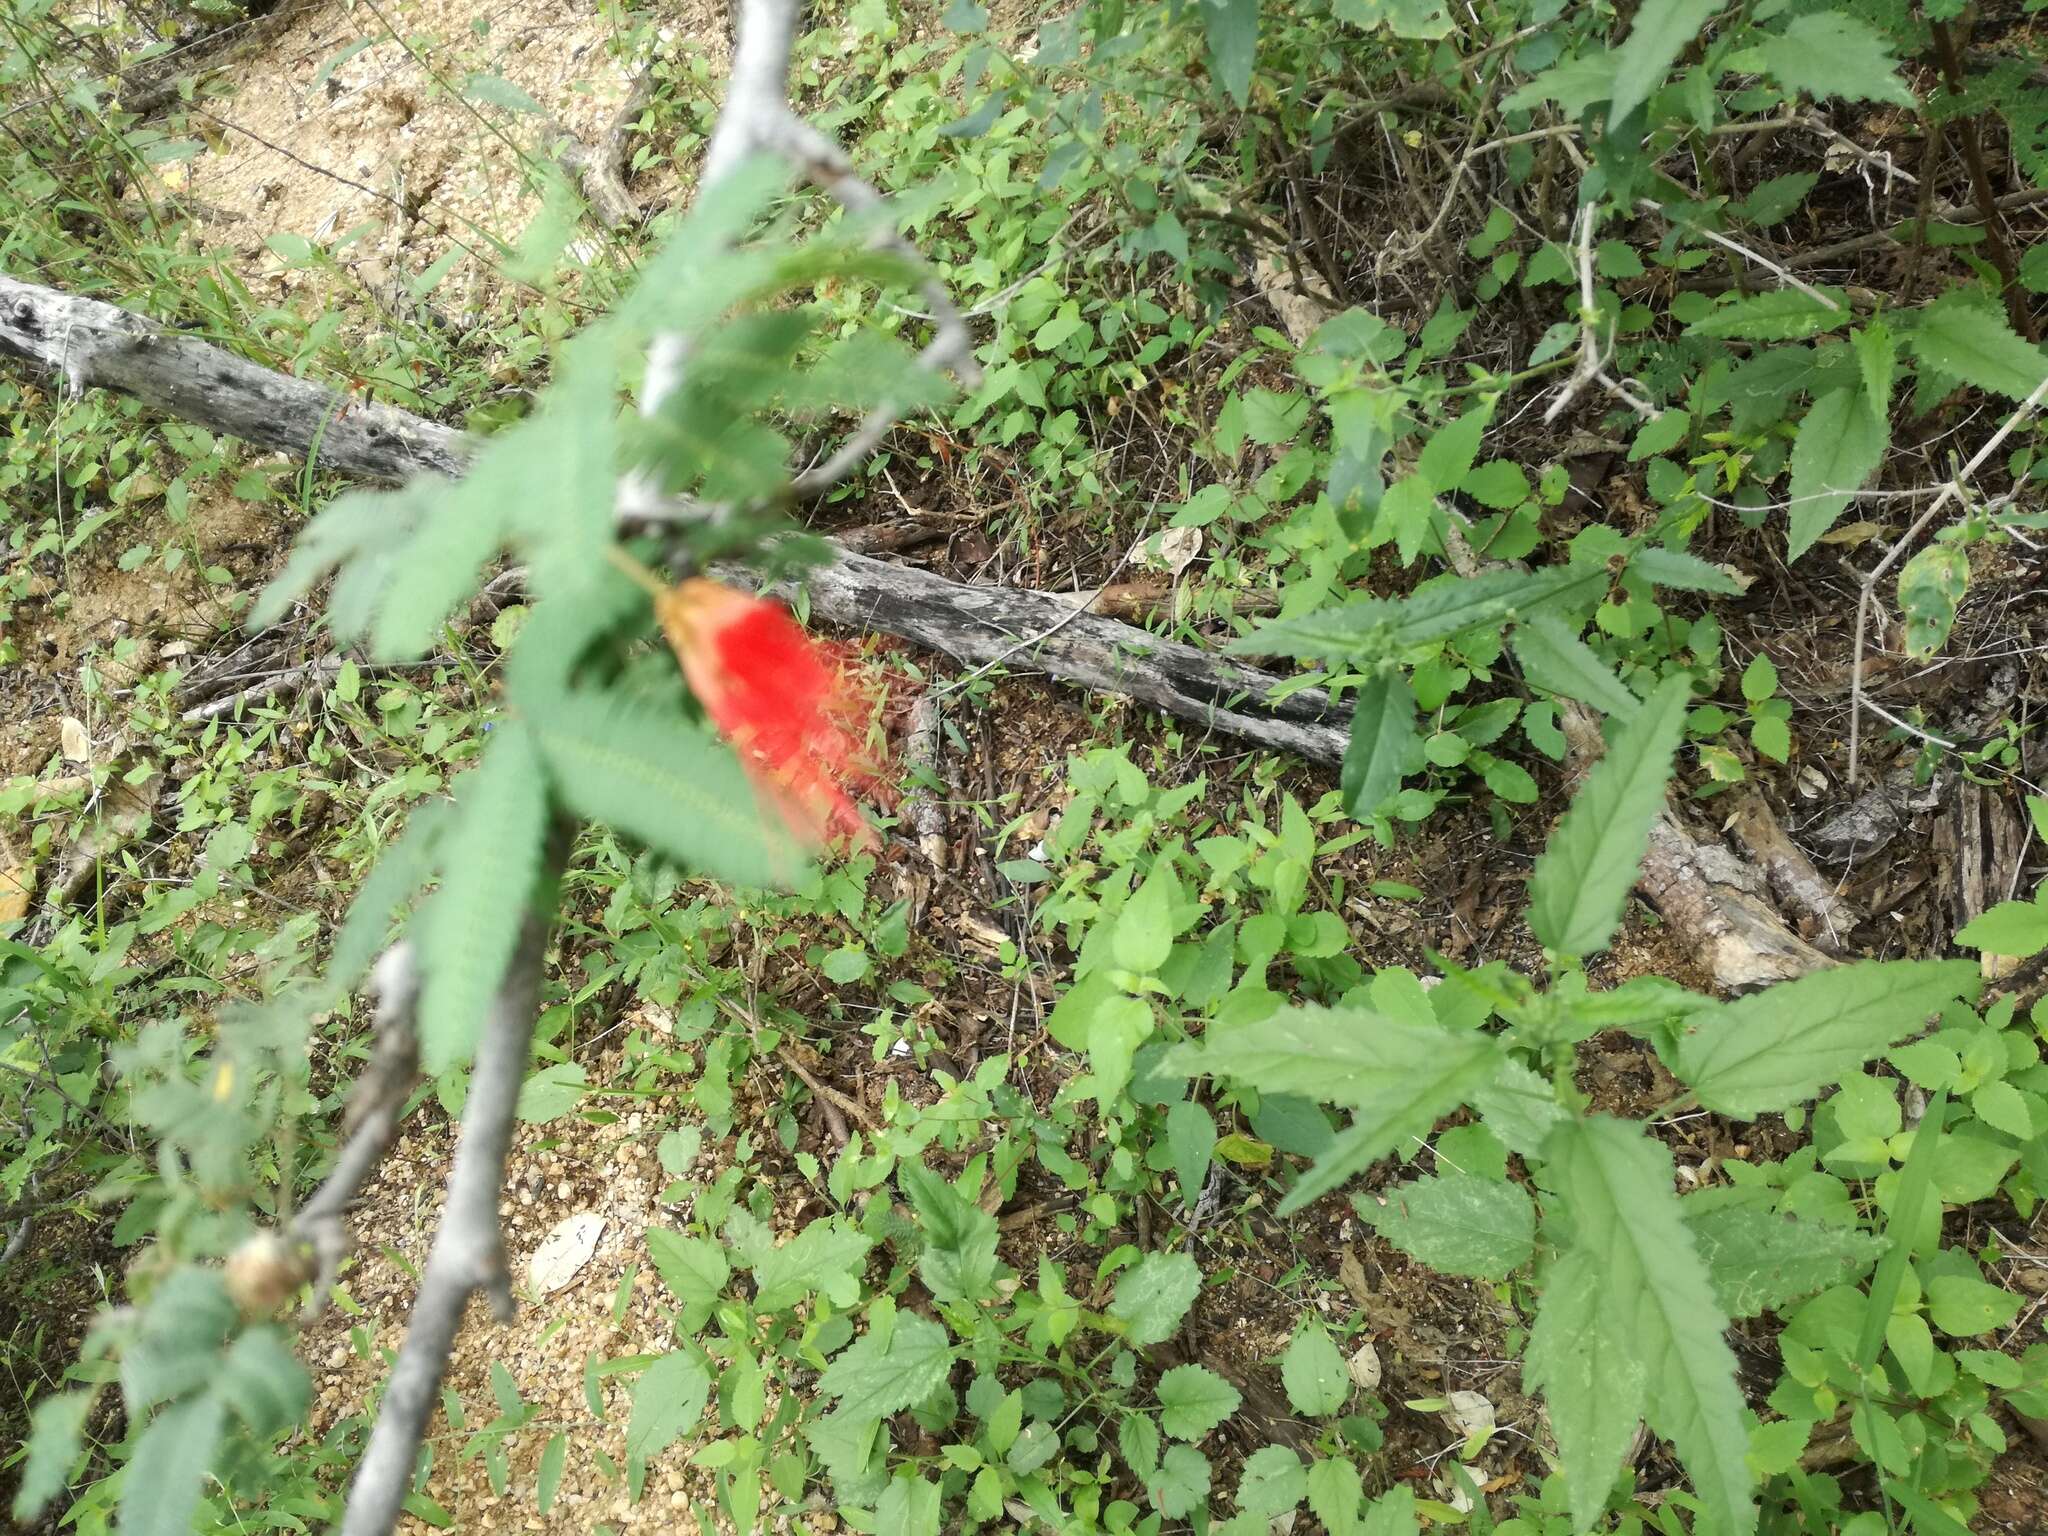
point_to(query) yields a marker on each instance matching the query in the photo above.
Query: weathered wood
(91, 344)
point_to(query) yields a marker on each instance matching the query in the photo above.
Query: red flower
(773, 693)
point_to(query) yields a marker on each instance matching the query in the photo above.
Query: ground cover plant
(1217, 767)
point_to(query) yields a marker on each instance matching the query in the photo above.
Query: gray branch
(86, 343)
(92, 344)
(469, 1248)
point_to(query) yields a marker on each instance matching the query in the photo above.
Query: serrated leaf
(1382, 738)
(825, 1258)
(1348, 1056)
(1153, 1295)
(1681, 572)
(693, 1268)
(1584, 873)
(1973, 342)
(1439, 609)
(1831, 53)
(1757, 1260)
(1781, 314)
(1779, 1047)
(1593, 1382)
(1181, 1481)
(1137, 1441)
(1877, 359)
(1637, 1298)
(668, 1400)
(958, 1262)
(875, 1377)
(161, 1486)
(1193, 1400)
(1335, 1490)
(658, 778)
(490, 858)
(1313, 1372)
(2017, 928)
(1839, 446)
(1457, 1223)
(1662, 30)
(1558, 661)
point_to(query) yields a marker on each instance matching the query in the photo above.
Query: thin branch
(1651, 205)
(1867, 594)
(469, 1247)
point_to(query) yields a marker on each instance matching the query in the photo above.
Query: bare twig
(371, 1118)
(1650, 205)
(1866, 595)
(1592, 367)
(280, 685)
(469, 1248)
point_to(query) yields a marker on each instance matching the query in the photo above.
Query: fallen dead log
(91, 344)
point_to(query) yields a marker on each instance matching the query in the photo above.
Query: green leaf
(1931, 588)
(1759, 678)
(1831, 53)
(1392, 1514)
(1191, 1141)
(1682, 572)
(490, 858)
(826, 1258)
(1558, 661)
(2016, 928)
(879, 1375)
(1498, 483)
(656, 777)
(1193, 1400)
(1153, 1295)
(1781, 314)
(668, 1400)
(499, 92)
(1963, 1306)
(161, 1487)
(1974, 343)
(1583, 875)
(56, 1428)
(1272, 1482)
(1662, 30)
(1335, 1490)
(1447, 457)
(958, 1263)
(1877, 360)
(262, 1380)
(1143, 935)
(1839, 446)
(1232, 27)
(1757, 1260)
(1348, 1056)
(693, 1268)
(548, 1478)
(1382, 739)
(1457, 1223)
(1779, 1047)
(551, 1092)
(1588, 1365)
(398, 874)
(1638, 1300)
(1313, 1372)
(1439, 609)
(1180, 1483)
